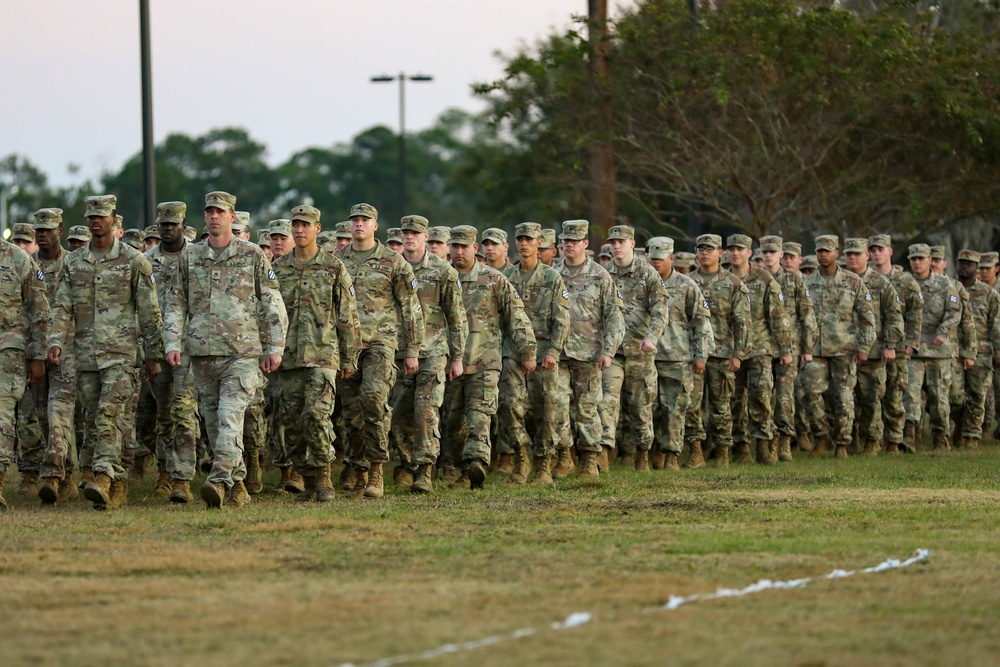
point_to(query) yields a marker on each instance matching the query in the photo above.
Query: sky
(295, 73)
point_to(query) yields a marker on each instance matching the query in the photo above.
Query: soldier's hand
(968, 363)
(907, 350)
(54, 355)
(861, 356)
(604, 363)
(174, 358)
(270, 363)
(456, 370)
(346, 373)
(647, 346)
(36, 371)
(410, 365)
(786, 360)
(938, 341)
(698, 366)
(888, 355)
(152, 369)
(805, 359)
(548, 362)
(734, 364)
(529, 366)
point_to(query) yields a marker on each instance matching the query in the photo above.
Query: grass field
(356, 581)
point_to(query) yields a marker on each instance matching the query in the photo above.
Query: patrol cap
(919, 250)
(739, 241)
(79, 233)
(365, 211)
(134, 238)
(494, 234)
(119, 220)
(100, 205)
(967, 255)
(711, 240)
(394, 234)
(23, 231)
(220, 200)
(574, 230)
(937, 252)
(190, 233)
(605, 250)
(440, 234)
(413, 223)
(791, 248)
(827, 242)
(809, 262)
(171, 211)
(152, 232)
(242, 221)
(659, 247)
(531, 230)
(621, 233)
(640, 252)
(548, 239)
(684, 258)
(757, 255)
(343, 230)
(880, 241)
(263, 239)
(857, 245)
(988, 260)
(48, 218)
(306, 213)
(770, 244)
(479, 253)
(280, 226)
(462, 235)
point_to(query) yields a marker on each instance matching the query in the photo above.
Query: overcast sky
(295, 73)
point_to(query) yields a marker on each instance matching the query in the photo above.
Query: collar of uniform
(379, 249)
(473, 274)
(113, 252)
(219, 254)
(619, 270)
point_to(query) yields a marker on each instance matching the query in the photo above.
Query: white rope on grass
(674, 602)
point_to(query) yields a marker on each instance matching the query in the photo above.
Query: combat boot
(642, 460)
(213, 494)
(422, 481)
(588, 466)
(971, 443)
(910, 437)
(604, 459)
(564, 464)
(324, 485)
(48, 492)
(841, 452)
(670, 462)
(360, 483)
(86, 476)
(721, 456)
(784, 447)
(237, 496)
(291, 480)
(764, 456)
(821, 446)
(374, 488)
(543, 474)
(521, 467)
(119, 493)
(892, 448)
(656, 460)
(99, 491)
(67, 489)
(162, 489)
(505, 463)
(28, 488)
(461, 482)
(696, 458)
(138, 471)
(180, 491)
(309, 487)
(476, 472)
(402, 476)
(348, 477)
(741, 453)
(871, 447)
(3, 480)
(450, 474)
(254, 481)
(941, 443)
(627, 460)
(804, 442)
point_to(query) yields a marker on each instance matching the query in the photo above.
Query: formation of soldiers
(434, 352)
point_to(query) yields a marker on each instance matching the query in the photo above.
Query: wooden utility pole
(602, 157)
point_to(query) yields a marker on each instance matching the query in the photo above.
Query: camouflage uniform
(984, 306)
(897, 372)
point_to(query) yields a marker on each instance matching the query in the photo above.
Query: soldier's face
(151, 243)
(243, 234)
(363, 228)
(27, 246)
(856, 262)
(622, 249)
(938, 266)
(881, 256)
(343, 243)
(493, 252)
(739, 256)
(967, 270)
(281, 245)
(48, 239)
(663, 266)
(219, 221)
(827, 259)
(708, 257)
(790, 262)
(304, 233)
(920, 266)
(76, 243)
(439, 248)
(267, 252)
(772, 259)
(463, 256)
(546, 255)
(170, 232)
(414, 242)
(101, 225)
(527, 247)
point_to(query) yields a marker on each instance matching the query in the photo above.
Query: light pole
(401, 176)
(148, 156)
(6, 191)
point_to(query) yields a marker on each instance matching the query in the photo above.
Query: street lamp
(402, 78)
(6, 191)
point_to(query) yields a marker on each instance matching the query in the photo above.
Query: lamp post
(6, 191)
(148, 156)
(401, 176)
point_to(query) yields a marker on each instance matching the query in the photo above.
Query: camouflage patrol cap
(809, 262)
(548, 239)
(605, 250)
(621, 233)
(574, 230)
(263, 239)
(937, 252)
(439, 234)
(394, 235)
(739, 241)
(857, 245)
(880, 241)
(152, 232)
(988, 260)
(659, 247)
(967, 255)
(919, 250)
(757, 255)
(220, 200)
(119, 220)
(531, 230)
(190, 233)
(281, 226)
(343, 230)
(413, 223)
(827, 242)
(684, 258)
(48, 218)
(171, 211)
(710, 240)
(770, 243)
(462, 235)
(306, 213)
(134, 238)
(495, 235)
(242, 221)
(791, 248)
(79, 233)
(365, 211)
(640, 252)
(23, 231)
(100, 205)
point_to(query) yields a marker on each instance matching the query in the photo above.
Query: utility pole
(401, 173)
(602, 158)
(148, 155)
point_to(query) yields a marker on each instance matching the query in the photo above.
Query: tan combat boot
(309, 486)
(476, 473)
(86, 476)
(462, 482)
(521, 466)
(48, 492)
(941, 443)
(119, 493)
(627, 460)
(374, 488)
(784, 447)
(294, 483)
(402, 476)
(721, 456)
(804, 442)
(871, 447)
(696, 458)
(348, 477)
(656, 460)
(324, 485)
(99, 491)
(604, 459)
(642, 460)
(505, 463)
(543, 474)
(764, 453)
(588, 466)
(138, 470)
(741, 453)
(821, 446)
(841, 452)
(3, 480)
(180, 491)
(67, 489)
(910, 436)
(213, 494)
(971, 443)
(450, 474)
(28, 488)
(564, 464)
(360, 483)
(422, 481)
(254, 481)
(237, 495)
(162, 488)
(892, 448)
(670, 462)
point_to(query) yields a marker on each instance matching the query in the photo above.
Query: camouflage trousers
(107, 396)
(176, 426)
(578, 421)
(416, 412)
(469, 403)
(675, 383)
(255, 421)
(956, 393)
(225, 386)
(970, 415)
(783, 400)
(13, 380)
(305, 403)
(145, 419)
(897, 374)
(829, 404)
(632, 380)
(802, 425)
(753, 391)
(934, 375)
(366, 407)
(868, 395)
(528, 408)
(33, 425)
(712, 392)
(65, 420)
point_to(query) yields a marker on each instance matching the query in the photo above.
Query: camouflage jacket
(24, 310)
(595, 312)
(644, 303)
(323, 326)
(445, 325)
(729, 303)
(224, 303)
(52, 268)
(888, 310)
(984, 302)
(771, 332)
(912, 301)
(688, 335)
(494, 310)
(844, 313)
(386, 292)
(967, 343)
(98, 304)
(798, 310)
(942, 315)
(546, 305)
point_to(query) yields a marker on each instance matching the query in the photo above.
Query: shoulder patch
(705, 303)
(152, 278)
(953, 299)
(619, 294)
(413, 283)
(352, 289)
(897, 299)
(41, 276)
(920, 295)
(565, 294)
(748, 298)
(516, 295)
(781, 297)
(270, 274)
(807, 292)
(868, 296)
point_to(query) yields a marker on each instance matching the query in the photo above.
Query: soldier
(889, 332)
(494, 310)
(343, 234)
(846, 320)
(681, 352)
(632, 374)
(548, 253)
(437, 241)
(804, 331)
(988, 268)
(808, 265)
(104, 290)
(417, 398)
(386, 292)
(529, 403)
(134, 238)
(241, 226)
(226, 312)
(78, 237)
(190, 234)
(280, 231)
(597, 328)
(151, 236)
(264, 241)
(791, 256)
(494, 248)
(327, 242)
(324, 337)
(729, 306)
(394, 240)
(684, 262)
(604, 258)
(770, 336)
(24, 238)
(261, 421)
